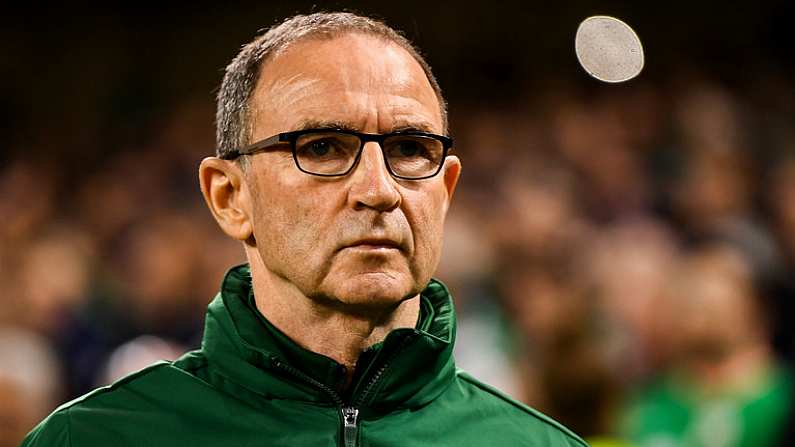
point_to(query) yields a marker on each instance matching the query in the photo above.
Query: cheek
(291, 222)
(305, 224)
(427, 221)
(278, 219)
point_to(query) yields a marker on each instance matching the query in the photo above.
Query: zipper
(350, 430)
(377, 376)
(295, 372)
(349, 413)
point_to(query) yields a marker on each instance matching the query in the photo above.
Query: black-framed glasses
(410, 155)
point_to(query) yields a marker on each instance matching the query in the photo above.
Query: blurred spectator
(148, 287)
(482, 342)
(724, 387)
(714, 189)
(28, 191)
(29, 383)
(596, 141)
(54, 276)
(627, 267)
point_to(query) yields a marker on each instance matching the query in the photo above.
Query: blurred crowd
(622, 259)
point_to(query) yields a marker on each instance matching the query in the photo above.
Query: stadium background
(622, 256)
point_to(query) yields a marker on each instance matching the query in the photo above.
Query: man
(334, 172)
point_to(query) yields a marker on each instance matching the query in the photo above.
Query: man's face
(365, 239)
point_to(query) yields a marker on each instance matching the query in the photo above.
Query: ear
(452, 170)
(227, 196)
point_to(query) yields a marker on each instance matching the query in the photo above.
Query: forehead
(363, 81)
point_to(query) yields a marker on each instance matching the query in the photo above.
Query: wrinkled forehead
(354, 78)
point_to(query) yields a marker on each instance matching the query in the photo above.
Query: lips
(375, 243)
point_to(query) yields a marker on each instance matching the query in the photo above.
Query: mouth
(375, 244)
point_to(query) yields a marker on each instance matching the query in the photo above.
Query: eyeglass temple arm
(255, 147)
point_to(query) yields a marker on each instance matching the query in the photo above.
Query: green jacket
(250, 385)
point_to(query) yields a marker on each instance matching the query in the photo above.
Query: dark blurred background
(622, 256)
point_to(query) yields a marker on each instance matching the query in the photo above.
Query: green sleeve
(52, 431)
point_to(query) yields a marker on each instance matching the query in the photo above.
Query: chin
(372, 289)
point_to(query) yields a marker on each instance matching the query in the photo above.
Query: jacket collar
(252, 359)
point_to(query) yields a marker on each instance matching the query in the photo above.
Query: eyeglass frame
(364, 138)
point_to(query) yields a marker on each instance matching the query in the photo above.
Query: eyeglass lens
(332, 153)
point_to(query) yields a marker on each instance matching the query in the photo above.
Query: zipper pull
(350, 416)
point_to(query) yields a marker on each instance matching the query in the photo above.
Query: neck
(334, 331)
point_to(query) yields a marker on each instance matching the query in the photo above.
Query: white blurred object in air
(608, 49)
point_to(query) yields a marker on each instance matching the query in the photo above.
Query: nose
(371, 185)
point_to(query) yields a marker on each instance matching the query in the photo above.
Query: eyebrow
(400, 126)
(421, 126)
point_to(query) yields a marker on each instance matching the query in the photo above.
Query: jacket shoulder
(491, 397)
(133, 392)
(52, 431)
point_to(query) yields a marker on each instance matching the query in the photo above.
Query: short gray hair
(232, 118)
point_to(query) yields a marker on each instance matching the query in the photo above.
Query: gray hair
(232, 118)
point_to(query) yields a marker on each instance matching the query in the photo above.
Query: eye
(408, 148)
(322, 146)
(412, 147)
(319, 147)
